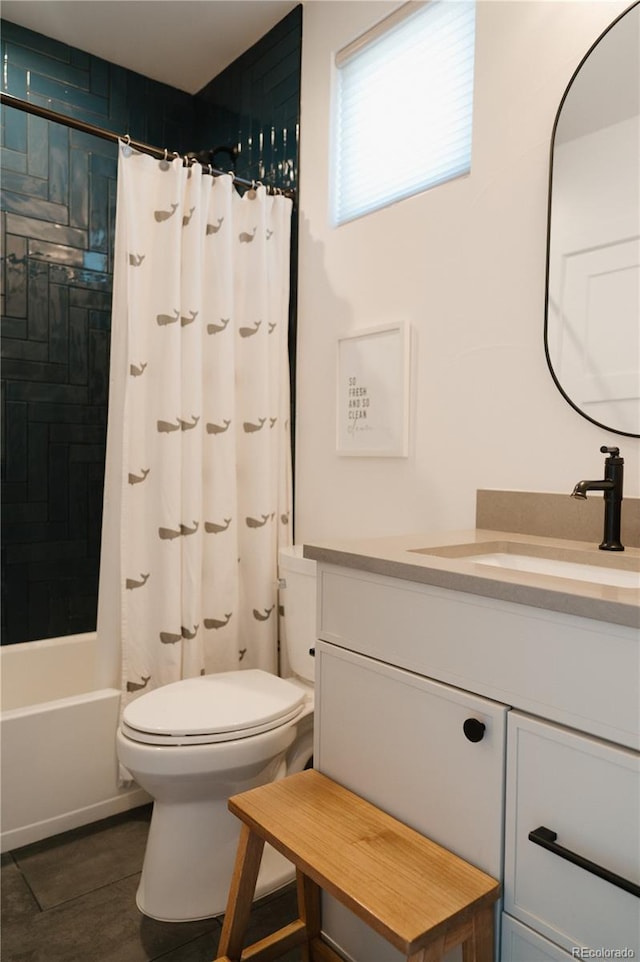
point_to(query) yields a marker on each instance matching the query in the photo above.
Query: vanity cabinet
(553, 700)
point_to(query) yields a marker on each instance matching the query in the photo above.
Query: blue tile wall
(254, 105)
(58, 215)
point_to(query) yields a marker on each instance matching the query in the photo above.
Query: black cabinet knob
(474, 729)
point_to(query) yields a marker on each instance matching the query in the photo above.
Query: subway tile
(56, 253)
(16, 275)
(21, 349)
(103, 165)
(59, 597)
(58, 472)
(98, 367)
(38, 146)
(34, 391)
(61, 568)
(15, 129)
(16, 440)
(68, 108)
(16, 617)
(99, 76)
(15, 369)
(42, 230)
(76, 491)
(59, 325)
(14, 493)
(94, 261)
(79, 189)
(29, 512)
(18, 535)
(56, 413)
(84, 453)
(37, 443)
(33, 207)
(79, 58)
(80, 278)
(55, 552)
(14, 327)
(15, 81)
(24, 184)
(13, 160)
(100, 320)
(38, 293)
(78, 346)
(82, 297)
(39, 620)
(47, 72)
(93, 145)
(59, 167)
(74, 433)
(21, 36)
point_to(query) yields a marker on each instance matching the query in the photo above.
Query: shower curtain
(198, 478)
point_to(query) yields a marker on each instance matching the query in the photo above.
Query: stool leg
(308, 910)
(430, 953)
(479, 948)
(243, 886)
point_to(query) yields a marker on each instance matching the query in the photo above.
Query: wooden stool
(420, 897)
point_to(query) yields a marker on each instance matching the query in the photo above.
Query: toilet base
(275, 872)
(186, 873)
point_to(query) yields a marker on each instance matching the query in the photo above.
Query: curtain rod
(161, 153)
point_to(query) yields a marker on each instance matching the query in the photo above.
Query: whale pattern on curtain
(198, 481)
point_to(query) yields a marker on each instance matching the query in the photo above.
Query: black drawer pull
(546, 837)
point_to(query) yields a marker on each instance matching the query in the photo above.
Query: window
(403, 111)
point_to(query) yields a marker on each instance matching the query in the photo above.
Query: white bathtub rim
(58, 703)
(35, 832)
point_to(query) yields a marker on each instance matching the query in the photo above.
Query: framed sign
(373, 393)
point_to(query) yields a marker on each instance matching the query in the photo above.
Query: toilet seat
(213, 708)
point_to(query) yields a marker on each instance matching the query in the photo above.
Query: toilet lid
(233, 704)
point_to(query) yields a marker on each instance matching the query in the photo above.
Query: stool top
(402, 884)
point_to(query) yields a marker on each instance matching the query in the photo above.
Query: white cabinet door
(521, 944)
(586, 792)
(398, 739)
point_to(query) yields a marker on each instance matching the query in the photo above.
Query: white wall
(464, 263)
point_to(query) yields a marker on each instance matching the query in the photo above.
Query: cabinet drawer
(587, 792)
(521, 944)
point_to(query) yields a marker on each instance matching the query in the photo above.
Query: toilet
(193, 743)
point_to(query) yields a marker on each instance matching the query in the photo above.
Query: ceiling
(183, 43)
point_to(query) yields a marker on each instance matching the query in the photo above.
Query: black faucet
(612, 487)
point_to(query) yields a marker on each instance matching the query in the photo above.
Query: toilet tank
(298, 601)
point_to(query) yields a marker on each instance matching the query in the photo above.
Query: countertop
(401, 557)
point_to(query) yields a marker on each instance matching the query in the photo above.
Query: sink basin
(617, 570)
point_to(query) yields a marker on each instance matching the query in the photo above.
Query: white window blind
(404, 104)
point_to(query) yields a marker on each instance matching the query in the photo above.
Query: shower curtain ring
(166, 153)
(127, 140)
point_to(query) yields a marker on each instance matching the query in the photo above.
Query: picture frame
(373, 392)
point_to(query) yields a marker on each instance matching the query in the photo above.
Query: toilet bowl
(193, 743)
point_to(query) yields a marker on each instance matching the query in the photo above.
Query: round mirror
(592, 320)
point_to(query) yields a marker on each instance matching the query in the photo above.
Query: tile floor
(71, 898)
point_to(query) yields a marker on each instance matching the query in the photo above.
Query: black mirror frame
(599, 424)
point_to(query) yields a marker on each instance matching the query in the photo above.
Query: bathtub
(57, 740)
